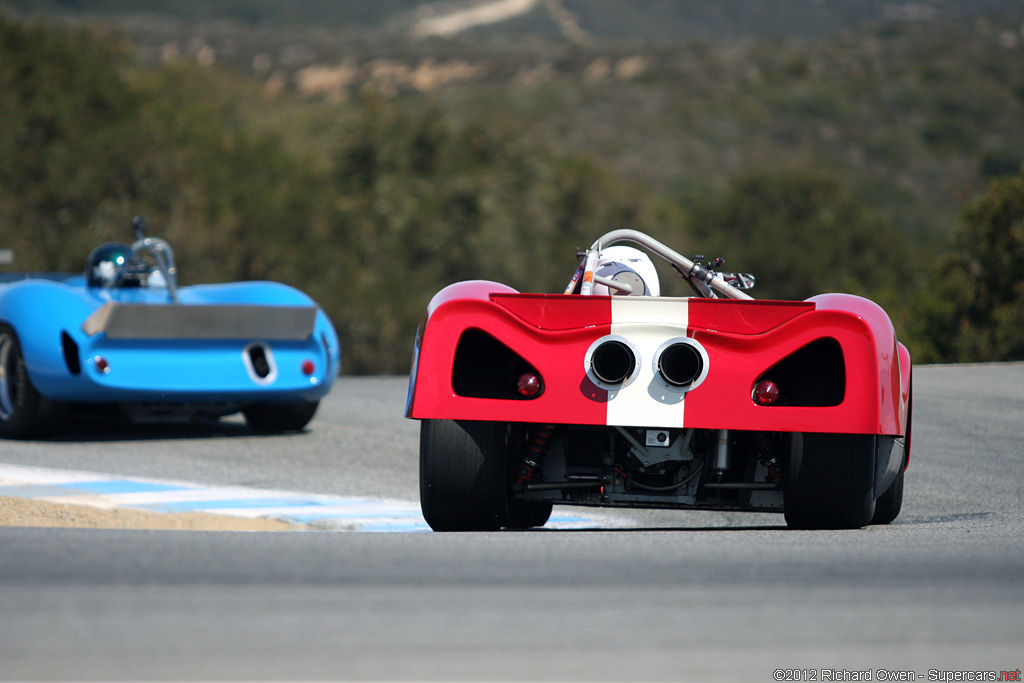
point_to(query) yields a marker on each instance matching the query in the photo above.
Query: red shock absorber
(768, 454)
(533, 458)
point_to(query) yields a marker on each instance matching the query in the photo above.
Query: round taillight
(529, 385)
(308, 367)
(102, 365)
(766, 393)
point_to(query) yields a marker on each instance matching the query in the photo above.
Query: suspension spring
(768, 454)
(533, 459)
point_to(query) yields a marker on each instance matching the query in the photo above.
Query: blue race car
(124, 340)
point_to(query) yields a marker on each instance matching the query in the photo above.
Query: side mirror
(739, 280)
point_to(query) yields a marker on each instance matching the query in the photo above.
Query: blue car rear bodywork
(262, 348)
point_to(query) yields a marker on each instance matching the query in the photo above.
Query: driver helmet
(106, 264)
(628, 266)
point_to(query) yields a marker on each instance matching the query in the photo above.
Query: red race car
(611, 395)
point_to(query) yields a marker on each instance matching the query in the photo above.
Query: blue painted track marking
(336, 513)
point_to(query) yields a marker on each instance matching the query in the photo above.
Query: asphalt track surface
(674, 596)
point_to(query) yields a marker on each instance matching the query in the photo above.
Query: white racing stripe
(647, 323)
(334, 513)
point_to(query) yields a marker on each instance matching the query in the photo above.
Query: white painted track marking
(339, 513)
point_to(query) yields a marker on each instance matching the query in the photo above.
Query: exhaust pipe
(680, 365)
(613, 362)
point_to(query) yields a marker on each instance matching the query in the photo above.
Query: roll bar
(162, 254)
(702, 278)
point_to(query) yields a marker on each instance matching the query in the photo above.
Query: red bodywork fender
(740, 342)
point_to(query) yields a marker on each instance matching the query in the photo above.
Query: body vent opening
(327, 355)
(813, 376)
(486, 368)
(71, 357)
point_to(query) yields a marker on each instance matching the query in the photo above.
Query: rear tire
(463, 477)
(526, 515)
(888, 505)
(273, 418)
(830, 481)
(24, 412)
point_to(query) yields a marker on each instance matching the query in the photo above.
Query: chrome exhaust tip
(680, 365)
(613, 362)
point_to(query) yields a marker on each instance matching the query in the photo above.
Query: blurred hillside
(915, 105)
(382, 149)
(638, 21)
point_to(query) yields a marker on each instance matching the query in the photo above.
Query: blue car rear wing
(190, 321)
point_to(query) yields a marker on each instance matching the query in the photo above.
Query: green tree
(425, 199)
(399, 200)
(237, 206)
(801, 233)
(975, 309)
(71, 143)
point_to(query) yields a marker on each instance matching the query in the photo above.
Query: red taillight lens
(102, 365)
(308, 367)
(766, 393)
(529, 385)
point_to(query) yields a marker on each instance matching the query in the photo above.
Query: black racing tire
(527, 514)
(829, 481)
(889, 504)
(274, 418)
(463, 475)
(24, 412)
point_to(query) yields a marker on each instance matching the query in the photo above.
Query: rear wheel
(24, 412)
(525, 515)
(829, 481)
(464, 478)
(887, 507)
(279, 417)
(889, 504)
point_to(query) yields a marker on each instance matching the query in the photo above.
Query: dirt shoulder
(24, 512)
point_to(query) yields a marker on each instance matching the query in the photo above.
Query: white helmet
(629, 266)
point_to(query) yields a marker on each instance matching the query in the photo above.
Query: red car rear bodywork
(717, 401)
(835, 358)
